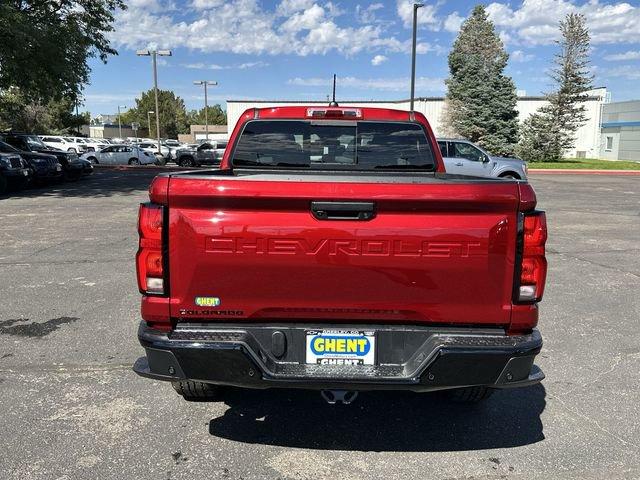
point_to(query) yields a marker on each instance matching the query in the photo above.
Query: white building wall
(588, 136)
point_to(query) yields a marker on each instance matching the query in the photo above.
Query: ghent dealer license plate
(341, 347)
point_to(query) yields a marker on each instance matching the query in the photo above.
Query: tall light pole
(205, 83)
(416, 6)
(119, 123)
(153, 54)
(149, 120)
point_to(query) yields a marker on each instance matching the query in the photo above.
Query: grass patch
(587, 164)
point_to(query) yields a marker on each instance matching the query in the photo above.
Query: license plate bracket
(340, 347)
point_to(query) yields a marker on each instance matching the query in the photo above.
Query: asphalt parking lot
(72, 408)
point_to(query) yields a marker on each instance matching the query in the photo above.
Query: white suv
(93, 145)
(67, 144)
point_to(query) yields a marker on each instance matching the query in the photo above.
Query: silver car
(120, 155)
(462, 157)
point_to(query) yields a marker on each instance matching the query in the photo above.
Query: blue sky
(289, 49)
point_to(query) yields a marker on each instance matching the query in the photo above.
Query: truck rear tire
(470, 394)
(197, 391)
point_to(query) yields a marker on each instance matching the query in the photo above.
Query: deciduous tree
(45, 44)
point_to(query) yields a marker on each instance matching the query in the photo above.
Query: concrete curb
(565, 171)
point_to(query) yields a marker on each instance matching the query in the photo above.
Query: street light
(149, 120)
(153, 54)
(205, 83)
(416, 6)
(120, 124)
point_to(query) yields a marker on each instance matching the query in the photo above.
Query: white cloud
(213, 66)
(520, 56)
(288, 7)
(536, 21)
(630, 55)
(426, 84)
(204, 4)
(378, 59)
(427, 15)
(629, 72)
(368, 14)
(453, 22)
(306, 20)
(296, 27)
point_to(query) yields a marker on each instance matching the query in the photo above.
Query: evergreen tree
(481, 100)
(554, 130)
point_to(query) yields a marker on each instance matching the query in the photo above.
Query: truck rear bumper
(408, 357)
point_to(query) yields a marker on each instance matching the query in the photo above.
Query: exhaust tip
(345, 397)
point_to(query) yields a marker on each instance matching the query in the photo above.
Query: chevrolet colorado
(331, 251)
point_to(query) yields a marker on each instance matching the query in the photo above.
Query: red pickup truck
(330, 251)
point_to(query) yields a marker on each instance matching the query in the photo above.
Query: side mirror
(485, 158)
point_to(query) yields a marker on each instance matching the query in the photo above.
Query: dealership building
(588, 139)
(621, 131)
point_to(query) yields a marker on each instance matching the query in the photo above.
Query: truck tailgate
(436, 251)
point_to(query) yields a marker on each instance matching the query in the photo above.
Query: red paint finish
(436, 252)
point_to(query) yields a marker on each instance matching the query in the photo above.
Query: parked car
(71, 167)
(173, 146)
(87, 166)
(92, 145)
(120, 155)
(44, 168)
(68, 144)
(463, 157)
(13, 172)
(194, 155)
(368, 268)
(152, 147)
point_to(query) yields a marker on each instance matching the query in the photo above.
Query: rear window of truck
(333, 144)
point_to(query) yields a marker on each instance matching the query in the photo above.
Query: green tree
(481, 100)
(215, 114)
(553, 132)
(173, 113)
(45, 44)
(17, 112)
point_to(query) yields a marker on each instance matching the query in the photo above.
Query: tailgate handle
(343, 210)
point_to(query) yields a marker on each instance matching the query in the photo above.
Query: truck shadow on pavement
(382, 421)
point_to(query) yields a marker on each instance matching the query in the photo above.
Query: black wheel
(3, 184)
(72, 150)
(93, 160)
(470, 394)
(186, 162)
(160, 160)
(197, 391)
(134, 161)
(510, 175)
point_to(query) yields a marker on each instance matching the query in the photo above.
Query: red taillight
(533, 266)
(149, 260)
